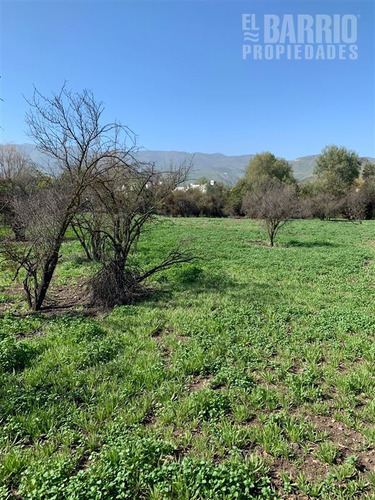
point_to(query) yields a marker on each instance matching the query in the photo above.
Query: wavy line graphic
(252, 38)
(250, 34)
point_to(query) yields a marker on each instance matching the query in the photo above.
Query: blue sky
(173, 71)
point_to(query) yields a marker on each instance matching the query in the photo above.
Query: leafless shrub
(322, 205)
(87, 225)
(41, 215)
(129, 200)
(357, 202)
(274, 203)
(18, 177)
(110, 288)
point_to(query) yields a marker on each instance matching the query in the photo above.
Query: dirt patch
(199, 383)
(366, 460)
(181, 338)
(14, 295)
(67, 296)
(15, 290)
(349, 441)
(84, 462)
(338, 432)
(165, 350)
(29, 335)
(312, 469)
(160, 331)
(157, 332)
(149, 418)
(72, 298)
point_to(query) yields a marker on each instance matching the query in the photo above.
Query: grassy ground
(248, 374)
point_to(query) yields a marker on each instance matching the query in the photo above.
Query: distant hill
(303, 167)
(213, 166)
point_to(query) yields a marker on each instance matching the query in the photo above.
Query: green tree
(368, 170)
(265, 166)
(337, 168)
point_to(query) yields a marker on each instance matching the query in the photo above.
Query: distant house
(201, 187)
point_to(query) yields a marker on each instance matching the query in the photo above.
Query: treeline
(203, 200)
(343, 186)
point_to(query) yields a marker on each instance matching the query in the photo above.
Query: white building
(201, 187)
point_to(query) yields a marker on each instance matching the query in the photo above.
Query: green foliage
(232, 376)
(337, 168)
(204, 201)
(262, 169)
(327, 452)
(209, 405)
(131, 467)
(368, 170)
(187, 274)
(266, 166)
(14, 355)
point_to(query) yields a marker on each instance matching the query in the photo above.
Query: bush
(187, 274)
(132, 468)
(209, 405)
(14, 354)
(109, 288)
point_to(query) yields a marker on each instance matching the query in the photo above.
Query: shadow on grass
(262, 243)
(158, 296)
(184, 283)
(351, 221)
(260, 293)
(310, 244)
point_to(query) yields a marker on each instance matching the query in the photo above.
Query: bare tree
(322, 205)
(130, 198)
(274, 203)
(357, 202)
(17, 178)
(88, 224)
(41, 214)
(67, 128)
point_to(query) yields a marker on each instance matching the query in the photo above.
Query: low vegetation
(246, 374)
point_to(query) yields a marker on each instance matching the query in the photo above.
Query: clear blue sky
(173, 71)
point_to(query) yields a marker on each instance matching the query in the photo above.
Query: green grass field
(247, 374)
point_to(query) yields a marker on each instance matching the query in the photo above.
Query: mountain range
(211, 165)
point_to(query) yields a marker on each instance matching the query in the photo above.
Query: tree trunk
(16, 226)
(119, 268)
(272, 236)
(19, 233)
(81, 239)
(96, 243)
(49, 268)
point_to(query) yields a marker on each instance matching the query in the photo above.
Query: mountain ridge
(216, 166)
